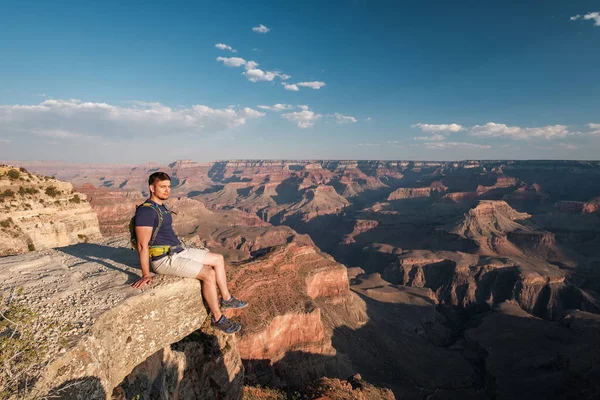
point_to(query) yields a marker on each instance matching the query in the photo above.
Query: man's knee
(214, 259)
(207, 275)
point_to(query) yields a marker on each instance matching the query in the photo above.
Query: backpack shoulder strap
(159, 213)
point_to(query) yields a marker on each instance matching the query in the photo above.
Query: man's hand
(143, 281)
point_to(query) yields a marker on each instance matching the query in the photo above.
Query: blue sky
(103, 81)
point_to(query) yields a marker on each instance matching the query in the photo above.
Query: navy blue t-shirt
(147, 216)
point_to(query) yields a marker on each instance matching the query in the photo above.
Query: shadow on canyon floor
(96, 253)
(411, 350)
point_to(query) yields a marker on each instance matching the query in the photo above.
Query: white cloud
(449, 128)
(277, 107)
(368, 119)
(5, 141)
(292, 87)
(344, 119)
(433, 138)
(232, 61)
(251, 64)
(454, 145)
(261, 29)
(253, 73)
(369, 144)
(595, 129)
(303, 107)
(256, 75)
(595, 16)
(223, 46)
(492, 129)
(316, 85)
(283, 77)
(69, 119)
(304, 118)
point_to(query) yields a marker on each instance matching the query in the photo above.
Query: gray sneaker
(233, 303)
(226, 325)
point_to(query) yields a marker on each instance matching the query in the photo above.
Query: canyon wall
(40, 213)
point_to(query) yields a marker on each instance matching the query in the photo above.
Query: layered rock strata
(40, 213)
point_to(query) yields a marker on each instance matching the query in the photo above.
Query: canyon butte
(366, 280)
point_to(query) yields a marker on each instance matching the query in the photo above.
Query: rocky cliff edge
(72, 324)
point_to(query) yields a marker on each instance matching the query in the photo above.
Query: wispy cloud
(316, 85)
(252, 73)
(454, 145)
(291, 87)
(595, 129)
(450, 128)
(5, 141)
(304, 118)
(594, 16)
(261, 29)
(369, 144)
(232, 61)
(277, 107)
(65, 119)
(223, 46)
(433, 138)
(492, 129)
(344, 119)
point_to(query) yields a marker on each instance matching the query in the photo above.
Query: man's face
(161, 189)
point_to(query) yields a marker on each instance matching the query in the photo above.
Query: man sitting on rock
(160, 248)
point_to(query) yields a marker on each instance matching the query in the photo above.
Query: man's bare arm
(143, 235)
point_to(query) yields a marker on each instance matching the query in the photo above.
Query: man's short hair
(158, 177)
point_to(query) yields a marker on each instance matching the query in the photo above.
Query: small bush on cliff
(23, 191)
(14, 174)
(6, 223)
(23, 170)
(7, 194)
(75, 199)
(30, 246)
(51, 191)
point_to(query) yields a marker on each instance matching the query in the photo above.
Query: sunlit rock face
(41, 212)
(91, 335)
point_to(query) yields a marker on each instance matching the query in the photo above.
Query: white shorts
(186, 263)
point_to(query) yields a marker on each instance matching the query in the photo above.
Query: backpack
(132, 236)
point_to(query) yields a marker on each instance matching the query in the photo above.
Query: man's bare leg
(207, 278)
(217, 262)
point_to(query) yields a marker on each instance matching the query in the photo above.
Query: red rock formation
(411, 193)
(114, 207)
(467, 280)
(361, 226)
(592, 206)
(284, 318)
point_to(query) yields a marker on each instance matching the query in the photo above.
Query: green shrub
(75, 199)
(6, 223)
(13, 174)
(30, 246)
(52, 192)
(7, 194)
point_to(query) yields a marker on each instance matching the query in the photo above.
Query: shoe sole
(239, 328)
(234, 308)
